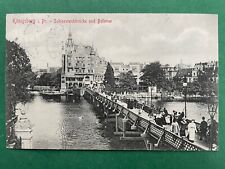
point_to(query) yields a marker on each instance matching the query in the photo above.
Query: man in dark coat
(203, 129)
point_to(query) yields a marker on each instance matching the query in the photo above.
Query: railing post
(124, 126)
(117, 120)
(134, 126)
(148, 143)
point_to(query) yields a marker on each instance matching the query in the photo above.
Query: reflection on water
(65, 125)
(59, 125)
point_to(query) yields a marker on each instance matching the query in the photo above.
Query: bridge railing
(164, 136)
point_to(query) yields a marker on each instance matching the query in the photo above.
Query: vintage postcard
(112, 81)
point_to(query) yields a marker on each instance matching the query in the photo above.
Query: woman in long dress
(175, 127)
(192, 130)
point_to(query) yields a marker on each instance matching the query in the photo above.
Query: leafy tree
(153, 75)
(50, 79)
(109, 79)
(19, 77)
(127, 80)
(45, 79)
(178, 81)
(193, 88)
(203, 86)
(169, 85)
(205, 80)
(19, 73)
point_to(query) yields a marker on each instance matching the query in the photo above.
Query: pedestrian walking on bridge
(191, 131)
(203, 129)
(175, 127)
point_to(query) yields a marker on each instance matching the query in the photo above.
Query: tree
(109, 79)
(19, 77)
(154, 75)
(169, 86)
(206, 82)
(178, 81)
(127, 80)
(193, 88)
(50, 79)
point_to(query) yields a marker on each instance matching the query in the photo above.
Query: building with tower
(81, 65)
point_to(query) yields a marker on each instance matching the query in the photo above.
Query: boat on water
(54, 95)
(70, 95)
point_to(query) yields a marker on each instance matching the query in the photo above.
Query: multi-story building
(190, 74)
(136, 69)
(81, 65)
(213, 65)
(170, 72)
(100, 68)
(120, 67)
(204, 65)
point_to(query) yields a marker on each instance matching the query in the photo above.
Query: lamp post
(185, 96)
(151, 95)
(150, 88)
(212, 110)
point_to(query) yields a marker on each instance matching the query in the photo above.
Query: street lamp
(151, 95)
(185, 96)
(150, 88)
(212, 110)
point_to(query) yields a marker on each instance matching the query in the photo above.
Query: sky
(168, 38)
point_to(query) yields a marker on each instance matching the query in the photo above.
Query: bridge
(132, 124)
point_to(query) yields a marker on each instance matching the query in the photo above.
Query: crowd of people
(179, 125)
(176, 122)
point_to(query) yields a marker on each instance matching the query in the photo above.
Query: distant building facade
(170, 72)
(190, 74)
(120, 67)
(81, 65)
(213, 65)
(204, 65)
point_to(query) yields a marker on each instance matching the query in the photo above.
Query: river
(60, 125)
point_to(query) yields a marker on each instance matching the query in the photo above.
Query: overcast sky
(168, 38)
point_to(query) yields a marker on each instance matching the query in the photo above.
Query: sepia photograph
(112, 81)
